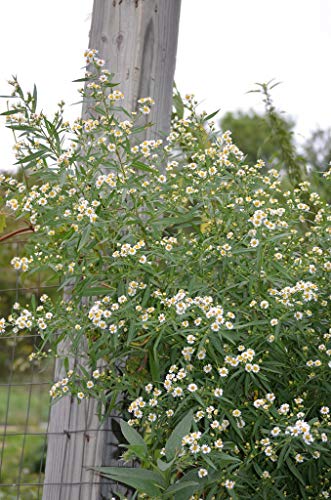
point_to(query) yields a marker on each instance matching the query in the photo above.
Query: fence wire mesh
(27, 429)
(24, 399)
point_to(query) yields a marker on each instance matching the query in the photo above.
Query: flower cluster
(21, 263)
(194, 282)
(127, 249)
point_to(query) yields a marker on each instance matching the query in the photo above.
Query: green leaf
(66, 364)
(174, 488)
(34, 95)
(84, 238)
(31, 157)
(26, 128)
(132, 332)
(12, 112)
(178, 103)
(81, 80)
(111, 84)
(187, 492)
(283, 455)
(154, 364)
(209, 117)
(138, 450)
(163, 466)
(131, 435)
(142, 166)
(226, 459)
(174, 443)
(144, 481)
(295, 471)
(169, 221)
(99, 290)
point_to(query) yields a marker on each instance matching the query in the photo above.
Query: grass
(23, 451)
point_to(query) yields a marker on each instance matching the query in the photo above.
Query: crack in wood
(144, 86)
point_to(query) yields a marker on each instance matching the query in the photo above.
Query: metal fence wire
(26, 429)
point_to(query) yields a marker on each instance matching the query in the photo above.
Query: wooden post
(138, 40)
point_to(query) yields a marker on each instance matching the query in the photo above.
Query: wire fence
(24, 399)
(29, 425)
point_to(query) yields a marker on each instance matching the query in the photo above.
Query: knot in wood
(119, 38)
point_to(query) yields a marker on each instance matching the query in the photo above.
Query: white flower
(219, 444)
(285, 408)
(229, 484)
(259, 402)
(195, 448)
(275, 431)
(177, 392)
(223, 372)
(268, 451)
(324, 437)
(202, 473)
(254, 242)
(205, 449)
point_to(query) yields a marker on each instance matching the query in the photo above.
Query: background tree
(317, 149)
(252, 133)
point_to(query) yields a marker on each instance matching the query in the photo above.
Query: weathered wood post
(138, 40)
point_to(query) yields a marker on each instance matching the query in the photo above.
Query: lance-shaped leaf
(144, 481)
(131, 435)
(174, 443)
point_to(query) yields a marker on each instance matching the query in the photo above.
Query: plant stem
(14, 233)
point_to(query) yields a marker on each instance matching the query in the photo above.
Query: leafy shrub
(196, 285)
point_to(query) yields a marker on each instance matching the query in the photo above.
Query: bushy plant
(205, 295)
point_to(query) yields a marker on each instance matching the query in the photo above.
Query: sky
(224, 47)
